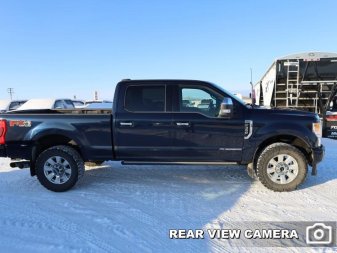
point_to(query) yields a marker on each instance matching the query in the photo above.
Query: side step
(177, 163)
(20, 164)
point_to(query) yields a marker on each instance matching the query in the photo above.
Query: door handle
(129, 124)
(183, 124)
(160, 124)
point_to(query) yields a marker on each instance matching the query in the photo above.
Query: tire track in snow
(37, 219)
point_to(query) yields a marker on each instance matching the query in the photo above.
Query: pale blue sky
(65, 47)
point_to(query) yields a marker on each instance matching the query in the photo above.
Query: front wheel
(59, 168)
(281, 167)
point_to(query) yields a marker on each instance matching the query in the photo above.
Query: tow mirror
(226, 108)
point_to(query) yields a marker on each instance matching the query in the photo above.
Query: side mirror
(226, 108)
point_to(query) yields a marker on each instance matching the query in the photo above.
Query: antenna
(252, 87)
(11, 92)
(251, 77)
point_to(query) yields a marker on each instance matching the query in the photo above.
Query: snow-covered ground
(119, 208)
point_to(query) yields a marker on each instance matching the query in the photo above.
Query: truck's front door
(200, 133)
(143, 126)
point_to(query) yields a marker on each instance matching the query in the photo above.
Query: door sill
(177, 163)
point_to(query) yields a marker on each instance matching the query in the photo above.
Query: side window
(58, 104)
(145, 98)
(68, 104)
(200, 100)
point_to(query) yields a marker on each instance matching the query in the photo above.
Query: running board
(177, 163)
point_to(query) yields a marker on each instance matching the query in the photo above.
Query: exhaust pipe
(20, 164)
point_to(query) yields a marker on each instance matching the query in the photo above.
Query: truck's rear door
(143, 125)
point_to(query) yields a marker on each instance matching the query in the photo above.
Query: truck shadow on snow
(169, 197)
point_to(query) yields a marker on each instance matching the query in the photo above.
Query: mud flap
(251, 171)
(314, 169)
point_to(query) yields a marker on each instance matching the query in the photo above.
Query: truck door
(143, 125)
(200, 133)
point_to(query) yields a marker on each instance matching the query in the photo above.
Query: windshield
(35, 104)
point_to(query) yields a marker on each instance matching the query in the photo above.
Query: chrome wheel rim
(57, 170)
(282, 169)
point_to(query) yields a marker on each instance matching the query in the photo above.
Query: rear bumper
(3, 151)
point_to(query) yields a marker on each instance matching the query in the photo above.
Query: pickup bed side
(29, 134)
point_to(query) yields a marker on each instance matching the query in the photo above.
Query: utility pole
(11, 92)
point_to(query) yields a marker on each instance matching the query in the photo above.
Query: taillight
(3, 130)
(331, 118)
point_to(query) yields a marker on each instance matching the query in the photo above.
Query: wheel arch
(295, 141)
(49, 140)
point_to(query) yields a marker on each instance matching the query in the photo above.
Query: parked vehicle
(302, 81)
(206, 104)
(104, 106)
(10, 105)
(78, 103)
(151, 124)
(46, 104)
(305, 81)
(330, 129)
(97, 101)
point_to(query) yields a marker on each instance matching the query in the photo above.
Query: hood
(275, 112)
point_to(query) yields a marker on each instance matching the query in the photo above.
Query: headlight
(317, 129)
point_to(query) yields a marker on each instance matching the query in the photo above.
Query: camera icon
(319, 234)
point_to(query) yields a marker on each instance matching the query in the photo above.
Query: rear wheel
(281, 167)
(59, 168)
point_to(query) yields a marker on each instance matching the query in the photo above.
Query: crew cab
(151, 123)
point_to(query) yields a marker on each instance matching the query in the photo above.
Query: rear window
(145, 98)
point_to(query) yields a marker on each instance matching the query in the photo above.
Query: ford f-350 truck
(165, 122)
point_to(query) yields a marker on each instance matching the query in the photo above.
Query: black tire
(71, 156)
(270, 153)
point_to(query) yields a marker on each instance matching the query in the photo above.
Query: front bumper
(317, 156)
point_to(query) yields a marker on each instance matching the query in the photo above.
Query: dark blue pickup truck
(165, 122)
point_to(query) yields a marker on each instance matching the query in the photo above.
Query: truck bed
(90, 130)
